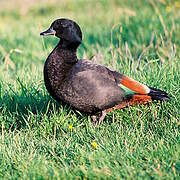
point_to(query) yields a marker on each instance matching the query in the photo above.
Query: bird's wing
(129, 85)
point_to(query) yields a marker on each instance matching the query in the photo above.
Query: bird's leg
(94, 119)
(98, 119)
(102, 117)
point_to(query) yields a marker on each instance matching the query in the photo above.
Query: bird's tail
(154, 94)
(137, 93)
(133, 87)
(157, 94)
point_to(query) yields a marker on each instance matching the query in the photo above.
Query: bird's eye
(64, 25)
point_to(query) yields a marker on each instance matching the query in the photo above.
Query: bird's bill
(48, 32)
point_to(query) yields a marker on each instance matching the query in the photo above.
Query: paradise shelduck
(86, 86)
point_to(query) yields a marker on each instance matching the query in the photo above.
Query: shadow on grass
(16, 106)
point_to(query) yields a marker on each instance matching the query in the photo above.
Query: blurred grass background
(42, 139)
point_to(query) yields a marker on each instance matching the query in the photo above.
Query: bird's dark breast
(54, 74)
(48, 83)
(49, 77)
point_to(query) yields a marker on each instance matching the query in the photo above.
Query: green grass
(138, 38)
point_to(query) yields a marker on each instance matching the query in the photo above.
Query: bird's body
(86, 86)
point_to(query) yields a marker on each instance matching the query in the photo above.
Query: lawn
(41, 139)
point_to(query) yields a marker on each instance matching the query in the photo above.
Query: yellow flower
(177, 4)
(94, 145)
(168, 8)
(70, 127)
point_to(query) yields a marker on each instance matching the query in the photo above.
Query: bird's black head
(67, 30)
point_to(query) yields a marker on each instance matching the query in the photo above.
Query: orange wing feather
(134, 85)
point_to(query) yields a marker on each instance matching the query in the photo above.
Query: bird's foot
(98, 118)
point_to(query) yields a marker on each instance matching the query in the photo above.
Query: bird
(86, 86)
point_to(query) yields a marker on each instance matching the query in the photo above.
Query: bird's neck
(57, 67)
(65, 55)
(68, 45)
